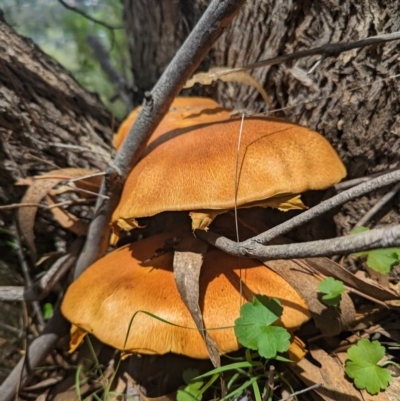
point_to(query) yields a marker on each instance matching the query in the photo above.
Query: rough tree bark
(41, 107)
(47, 121)
(350, 98)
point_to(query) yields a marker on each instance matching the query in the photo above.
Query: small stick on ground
(378, 206)
(25, 272)
(46, 283)
(302, 391)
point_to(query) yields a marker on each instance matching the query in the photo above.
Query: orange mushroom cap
(184, 112)
(125, 282)
(193, 168)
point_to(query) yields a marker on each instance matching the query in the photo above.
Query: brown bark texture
(350, 97)
(47, 121)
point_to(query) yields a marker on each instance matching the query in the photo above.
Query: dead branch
(378, 238)
(341, 186)
(328, 50)
(254, 247)
(323, 207)
(156, 104)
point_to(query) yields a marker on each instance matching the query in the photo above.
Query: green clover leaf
(380, 260)
(333, 290)
(383, 260)
(253, 328)
(363, 367)
(190, 392)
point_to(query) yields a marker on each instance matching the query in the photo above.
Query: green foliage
(63, 33)
(363, 367)
(333, 290)
(253, 329)
(192, 390)
(47, 311)
(380, 260)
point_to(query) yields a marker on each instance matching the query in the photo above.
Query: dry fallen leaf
(66, 219)
(188, 259)
(223, 74)
(326, 318)
(39, 188)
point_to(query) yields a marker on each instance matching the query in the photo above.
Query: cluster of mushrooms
(190, 166)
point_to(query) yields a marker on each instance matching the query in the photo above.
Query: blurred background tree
(61, 28)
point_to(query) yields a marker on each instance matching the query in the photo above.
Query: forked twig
(255, 246)
(378, 238)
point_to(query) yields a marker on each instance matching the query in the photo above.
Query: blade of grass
(77, 383)
(245, 385)
(256, 391)
(226, 368)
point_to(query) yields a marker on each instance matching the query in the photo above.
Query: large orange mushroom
(190, 164)
(133, 282)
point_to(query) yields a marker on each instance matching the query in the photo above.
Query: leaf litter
(39, 189)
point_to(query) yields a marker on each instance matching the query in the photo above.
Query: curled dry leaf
(213, 74)
(38, 190)
(66, 219)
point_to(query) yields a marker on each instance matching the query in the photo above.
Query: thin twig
(378, 238)
(336, 95)
(254, 247)
(328, 50)
(84, 177)
(70, 147)
(41, 288)
(116, 79)
(25, 272)
(90, 18)
(269, 384)
(18, 332)
(325, 206)
(47, 207)
(94, 194)
(341, 186)
(316, 385)
(378, 206)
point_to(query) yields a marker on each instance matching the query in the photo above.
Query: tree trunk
(47, 121)
(350, 98)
